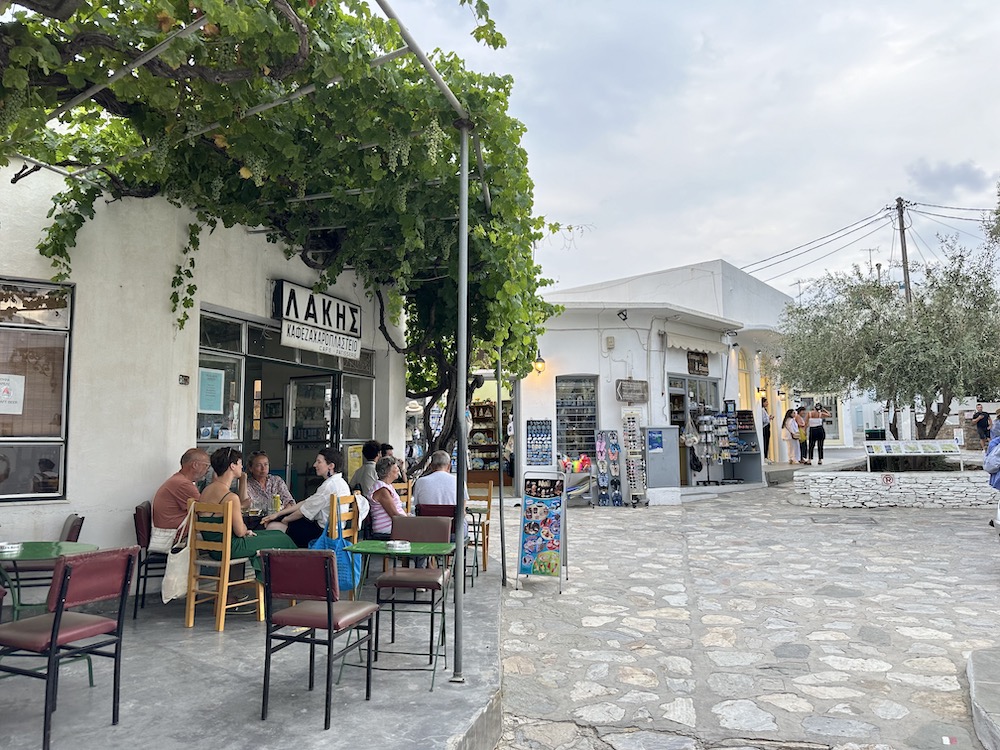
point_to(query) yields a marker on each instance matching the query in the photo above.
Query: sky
(676, 132)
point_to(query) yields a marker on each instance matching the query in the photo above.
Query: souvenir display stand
(635, 455)
(542, 545)
(743, 449)
(484, 442)
(609, 468)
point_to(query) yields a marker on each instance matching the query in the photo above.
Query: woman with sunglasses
(227, 463)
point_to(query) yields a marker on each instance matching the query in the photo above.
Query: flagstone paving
(745, 622)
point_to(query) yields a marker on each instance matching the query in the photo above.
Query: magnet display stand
(538, 443)
(542, 547)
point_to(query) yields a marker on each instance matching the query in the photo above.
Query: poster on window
(11, 394)
(542, 538)
(211, 391)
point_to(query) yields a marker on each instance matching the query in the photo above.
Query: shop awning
(677, 341)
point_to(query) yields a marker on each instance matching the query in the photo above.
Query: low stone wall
(912, 489)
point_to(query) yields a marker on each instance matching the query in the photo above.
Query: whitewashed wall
(129, 419)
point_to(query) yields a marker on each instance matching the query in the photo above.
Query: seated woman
(386, 504)
(307, 519)
(227, 463)
(262, 486)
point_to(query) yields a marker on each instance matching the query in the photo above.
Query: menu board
(541, 548)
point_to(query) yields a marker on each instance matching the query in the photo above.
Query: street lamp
(539, 364)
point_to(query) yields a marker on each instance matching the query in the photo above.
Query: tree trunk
(894, 423)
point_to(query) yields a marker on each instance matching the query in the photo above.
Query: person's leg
(766, 447)
(820, 439)
(812, 442)
(302, 531)
(803, 445)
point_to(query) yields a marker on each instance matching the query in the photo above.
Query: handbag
(348, 564)
(175, 576)
(160, 540)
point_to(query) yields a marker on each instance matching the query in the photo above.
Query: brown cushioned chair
(149, 563)
(309, 578)
(60, 634)
(448, 511)
(430, 581)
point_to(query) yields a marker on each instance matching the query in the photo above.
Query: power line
(953, 208)
(882, 225)
(807, 244)
(978, 220)
(948, 226)
(926, 244)
(816, 247)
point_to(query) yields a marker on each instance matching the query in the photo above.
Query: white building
(694, 335)
(101, 382)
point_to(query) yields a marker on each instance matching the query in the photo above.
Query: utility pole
(902, 245)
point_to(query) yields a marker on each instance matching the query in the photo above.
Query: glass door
(310, 428)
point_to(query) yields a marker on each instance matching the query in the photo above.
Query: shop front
(101, 390)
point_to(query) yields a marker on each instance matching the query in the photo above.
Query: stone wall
(915, 489)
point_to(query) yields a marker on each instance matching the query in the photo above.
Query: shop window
(266, 342)
(218, 333)
(220, 387)
(34, 367)
(357, 409)
(576, 415)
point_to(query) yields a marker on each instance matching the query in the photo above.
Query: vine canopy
(309, 120)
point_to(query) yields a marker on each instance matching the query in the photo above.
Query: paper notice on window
(11, 394)
(355, 406)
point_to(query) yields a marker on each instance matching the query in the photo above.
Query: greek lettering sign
(318, 322)
(632, 391)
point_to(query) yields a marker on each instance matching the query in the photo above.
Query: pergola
(63, 9)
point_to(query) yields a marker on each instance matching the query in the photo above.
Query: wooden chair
(219, 571)
(405, 492)
(348, 518)
(61, 634)
(38, 573)
(482, 492)
(308, 578)
(149, 563)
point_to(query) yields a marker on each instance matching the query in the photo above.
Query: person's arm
(383, 497)
(239, 528)
(286, 496)
(286, 515)
(244, 495)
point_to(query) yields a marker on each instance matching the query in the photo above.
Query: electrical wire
(799, 247)
(926, 244)
(885, 222)
(956, 218)
(878, 220)
(953, 208)
(948, 226)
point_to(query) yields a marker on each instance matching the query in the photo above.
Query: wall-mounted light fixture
(761, 391)
(539, 364)
(623, 314)
(758, 352)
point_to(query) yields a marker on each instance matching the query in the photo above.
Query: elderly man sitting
(438, 486)
(170, 503)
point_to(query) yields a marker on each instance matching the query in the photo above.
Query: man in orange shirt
(170, 503)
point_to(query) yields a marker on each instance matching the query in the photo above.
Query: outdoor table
(34, 552)
(370, 547)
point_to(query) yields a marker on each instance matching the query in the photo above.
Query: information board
(541, 550)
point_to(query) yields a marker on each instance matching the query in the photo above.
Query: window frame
(61, 441)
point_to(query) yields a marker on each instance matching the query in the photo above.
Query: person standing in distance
(765, 420)
(981, 420)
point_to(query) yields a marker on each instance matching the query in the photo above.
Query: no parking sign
(888, 480)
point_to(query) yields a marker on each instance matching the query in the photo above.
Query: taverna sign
(317, 322)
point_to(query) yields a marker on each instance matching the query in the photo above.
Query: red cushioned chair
(309, 577)
(448, 511)
(149, 563)
(77, 580)
(417, 581)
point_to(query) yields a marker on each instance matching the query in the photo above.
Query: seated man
(438, 486)
(364, 478)
(386, 450)
(170, 503)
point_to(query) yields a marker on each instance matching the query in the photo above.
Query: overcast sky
(676, 132)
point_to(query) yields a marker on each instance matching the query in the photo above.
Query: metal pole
(462, 365)
(501, 442)
(902, 247)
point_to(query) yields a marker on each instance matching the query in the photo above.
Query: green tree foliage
(373, 136)
(855, 334)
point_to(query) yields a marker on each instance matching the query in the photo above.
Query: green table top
(378, 547)
(47, 550)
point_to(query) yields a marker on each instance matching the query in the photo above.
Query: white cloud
(736, 129)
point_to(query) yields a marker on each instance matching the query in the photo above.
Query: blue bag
(348, 565)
